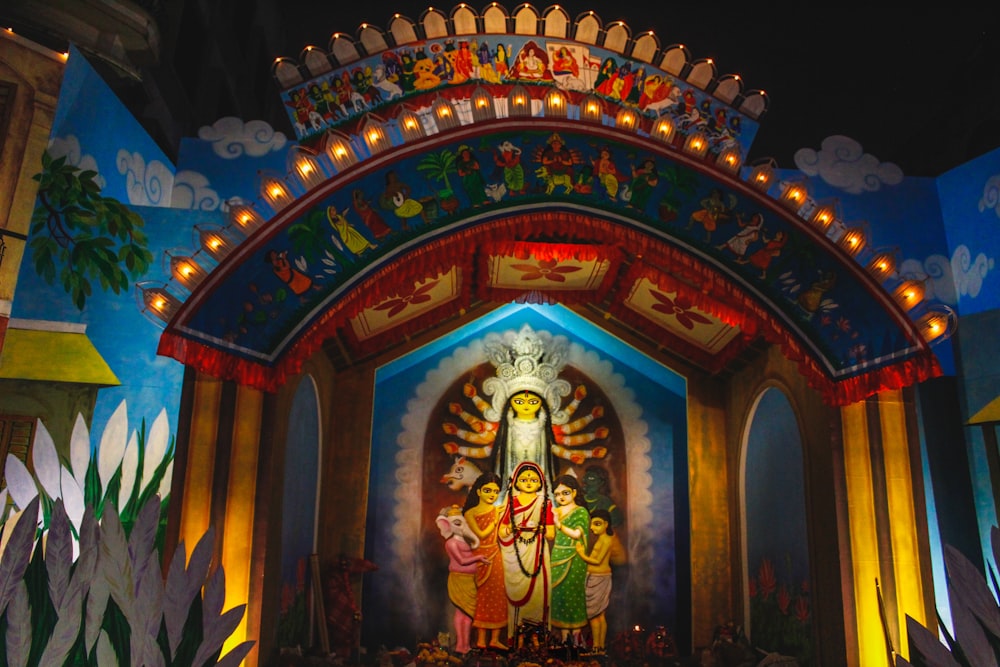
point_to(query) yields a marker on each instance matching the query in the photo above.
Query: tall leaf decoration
(149, 606)
(73, 498)
(3, 504)
(112, 447)
(58, 554)
(79, 451)
(18, 627)
(973, 590)
(217, 630)
(20, 483)
(17, 552)
(215, 625)
(66, 631)
(130, 464)
(115, 565)
(45, 461)
(235, 657)
(157, 443)
(106, 656)
(166, 481)
(142, 540)
(183, 586)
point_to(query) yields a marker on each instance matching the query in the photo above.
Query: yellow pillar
(238, 530)
(902, 526)
(864, 535)
(196, 507)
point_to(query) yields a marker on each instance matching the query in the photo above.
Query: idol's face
(488, 492)
(598, 526)
(564, 494)
(526, 405)
(528, 481)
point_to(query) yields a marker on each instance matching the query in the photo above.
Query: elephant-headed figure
(459, 543)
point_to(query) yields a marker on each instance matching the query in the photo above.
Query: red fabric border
(556, 231)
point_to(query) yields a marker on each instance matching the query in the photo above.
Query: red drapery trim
(563, 232)
(544, 252)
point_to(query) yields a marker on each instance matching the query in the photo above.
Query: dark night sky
(919, 88)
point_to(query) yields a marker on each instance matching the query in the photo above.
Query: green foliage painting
(79, 236)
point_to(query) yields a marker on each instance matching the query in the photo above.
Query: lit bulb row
(309, 171)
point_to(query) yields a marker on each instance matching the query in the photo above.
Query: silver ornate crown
(526, 360)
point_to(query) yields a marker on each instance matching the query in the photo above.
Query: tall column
(885, 526)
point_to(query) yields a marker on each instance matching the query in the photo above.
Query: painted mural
(289, 282)
(533, 414)
(417, 70)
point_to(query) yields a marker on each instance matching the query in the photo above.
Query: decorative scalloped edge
(554, 22)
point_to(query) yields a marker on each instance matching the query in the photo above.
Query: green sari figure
(569, 570)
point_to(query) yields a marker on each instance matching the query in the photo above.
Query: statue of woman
(481, 514)
(569, 570)
(525, 529)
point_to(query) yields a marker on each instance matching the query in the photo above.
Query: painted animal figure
(462, 474)
(389, 89)
(552, 181)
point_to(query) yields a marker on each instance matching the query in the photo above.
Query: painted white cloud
(843, 163)
(232, 138)
(147, 184)
(991, 195)
(948, 280)
(191, 190)
(69, 147)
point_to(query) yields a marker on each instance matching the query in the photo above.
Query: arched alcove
(776, 563)
(300, 496)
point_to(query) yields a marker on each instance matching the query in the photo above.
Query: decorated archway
(431, 186)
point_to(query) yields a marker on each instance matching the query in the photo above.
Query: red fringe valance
(525, 250)
(557, 235)
(710, 292)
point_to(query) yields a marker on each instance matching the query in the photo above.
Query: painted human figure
(607, 173)
(596, 493)
(772, 248)
(569, 570)
(471, 174)
(644, 179)
(739, 243)
(481, 515)
(526, 528)
(350, 237)
(459, 543)
(598, 559)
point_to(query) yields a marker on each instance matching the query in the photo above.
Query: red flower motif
(802, 610)
(765, 578)
(784, 599)
(547, 269)
(843, 324)
(680, 308)
(397, 305)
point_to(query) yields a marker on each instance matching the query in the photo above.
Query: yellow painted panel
(56, 356)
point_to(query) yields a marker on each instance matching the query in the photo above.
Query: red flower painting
(397, 305)
(680, 307)
(546, 269)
